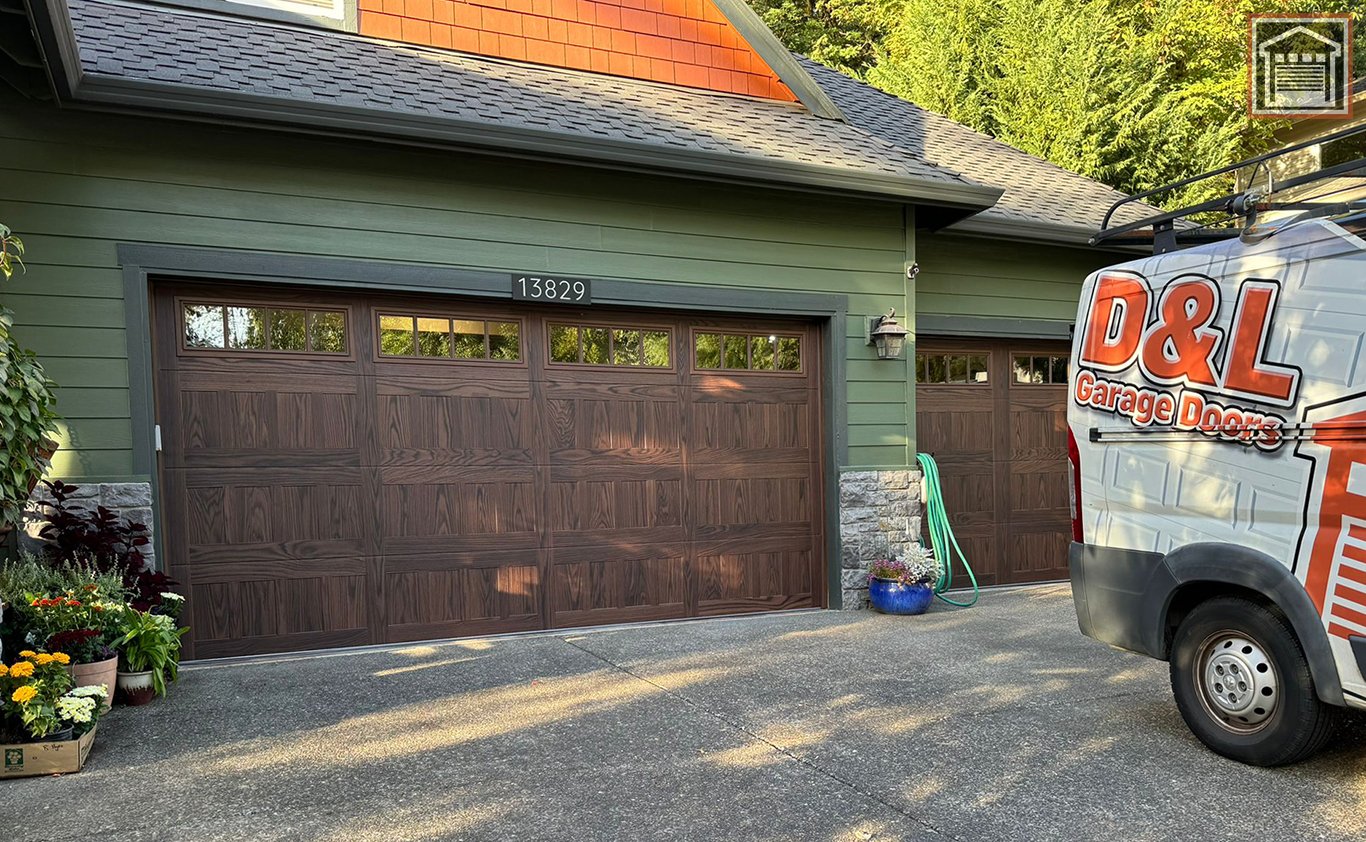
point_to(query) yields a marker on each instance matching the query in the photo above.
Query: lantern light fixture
(887, 335)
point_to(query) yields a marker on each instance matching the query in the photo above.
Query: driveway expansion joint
(814, 767)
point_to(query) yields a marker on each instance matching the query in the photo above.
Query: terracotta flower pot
(136, 688)
(100, 672)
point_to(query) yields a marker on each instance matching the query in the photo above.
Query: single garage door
(342, 470)
(994, 416)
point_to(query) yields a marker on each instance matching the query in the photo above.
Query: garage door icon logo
(1300, 66)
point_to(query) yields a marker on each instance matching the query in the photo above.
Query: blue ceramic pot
(891, 597)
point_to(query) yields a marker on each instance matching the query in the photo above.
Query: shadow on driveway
(998, 722)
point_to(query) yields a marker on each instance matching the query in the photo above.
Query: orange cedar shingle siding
(678, 42)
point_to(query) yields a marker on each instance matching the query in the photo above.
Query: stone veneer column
(131, 501)
(879, 519)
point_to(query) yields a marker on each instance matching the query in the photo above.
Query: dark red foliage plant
(100, 539)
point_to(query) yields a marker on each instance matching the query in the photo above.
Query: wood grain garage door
(993, 415)
(341, 470)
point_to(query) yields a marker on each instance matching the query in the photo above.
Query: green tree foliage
(843, 34)
(1134, 93)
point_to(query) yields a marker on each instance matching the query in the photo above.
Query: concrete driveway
(999, 722)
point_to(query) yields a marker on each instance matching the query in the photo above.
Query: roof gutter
(52, 20)
(993, 225)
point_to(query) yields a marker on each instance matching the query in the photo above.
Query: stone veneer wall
(879, 519)
(131, 501)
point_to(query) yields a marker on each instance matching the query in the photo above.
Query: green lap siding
(973, 276)
(76, 185)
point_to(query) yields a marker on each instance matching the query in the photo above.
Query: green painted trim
(142, 263)
(987, 326)
(752, 28)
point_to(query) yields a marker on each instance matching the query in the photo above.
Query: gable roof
(1041, 200)
(216, 67)
(163, 59)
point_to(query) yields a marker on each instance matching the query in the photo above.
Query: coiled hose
(941, 534)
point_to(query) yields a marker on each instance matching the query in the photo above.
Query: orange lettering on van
(1114, 329)
(1245, 370)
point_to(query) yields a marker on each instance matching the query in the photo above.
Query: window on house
(233, 327)
(635, 347)
(749, 352)
(1040, 370)
(939, 369)
(443, 337)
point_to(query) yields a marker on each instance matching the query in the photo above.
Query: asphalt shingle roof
(1036, 191)
(885, 137)
(158, 44)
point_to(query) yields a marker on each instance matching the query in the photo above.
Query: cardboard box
(24, 760)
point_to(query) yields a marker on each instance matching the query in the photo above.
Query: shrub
(100, 539)
(27, 418)
(62, 607)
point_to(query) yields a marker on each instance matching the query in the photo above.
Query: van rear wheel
(1243, 684)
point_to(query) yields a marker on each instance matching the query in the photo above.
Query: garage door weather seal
(941, 533)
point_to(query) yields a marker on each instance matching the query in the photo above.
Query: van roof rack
(1172, 230)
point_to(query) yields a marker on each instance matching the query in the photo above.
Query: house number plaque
(564, 290)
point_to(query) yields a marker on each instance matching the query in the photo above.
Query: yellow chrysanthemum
(4, 670)
(28, 653)
(24, 694)
(43, 659)
(61, 658)
(23, 669)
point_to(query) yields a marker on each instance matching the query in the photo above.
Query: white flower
(172, 596)
(75, 708)
(87, 690)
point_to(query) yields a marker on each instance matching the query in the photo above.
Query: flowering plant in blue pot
(904, 586)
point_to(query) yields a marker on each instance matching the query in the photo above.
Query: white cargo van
(1217, 439)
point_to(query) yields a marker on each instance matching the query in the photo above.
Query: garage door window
(609, 346)
(445, 338)
(1040, 370)
(231, 327)
(951, 369)
(749, 352)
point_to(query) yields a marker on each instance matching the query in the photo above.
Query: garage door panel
(278, 608)
(613, 590)
(458, 509)
(262, 513)
(751, 501)
(751, 581)
(586, 506)
(253, 423)
(456, 423)
(585, 425)
(462, 594)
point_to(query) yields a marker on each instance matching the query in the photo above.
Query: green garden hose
(941, 534)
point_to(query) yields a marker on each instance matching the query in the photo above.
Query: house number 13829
(532, 288)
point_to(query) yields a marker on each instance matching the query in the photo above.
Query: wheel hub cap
(1239, 681)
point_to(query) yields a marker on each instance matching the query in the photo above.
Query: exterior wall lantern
(889, 336)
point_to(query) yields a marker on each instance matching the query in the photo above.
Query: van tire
(1207, 643)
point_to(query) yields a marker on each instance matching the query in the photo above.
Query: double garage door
(342, 470)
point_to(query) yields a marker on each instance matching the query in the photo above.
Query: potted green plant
(149, 653)
(904, 586)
